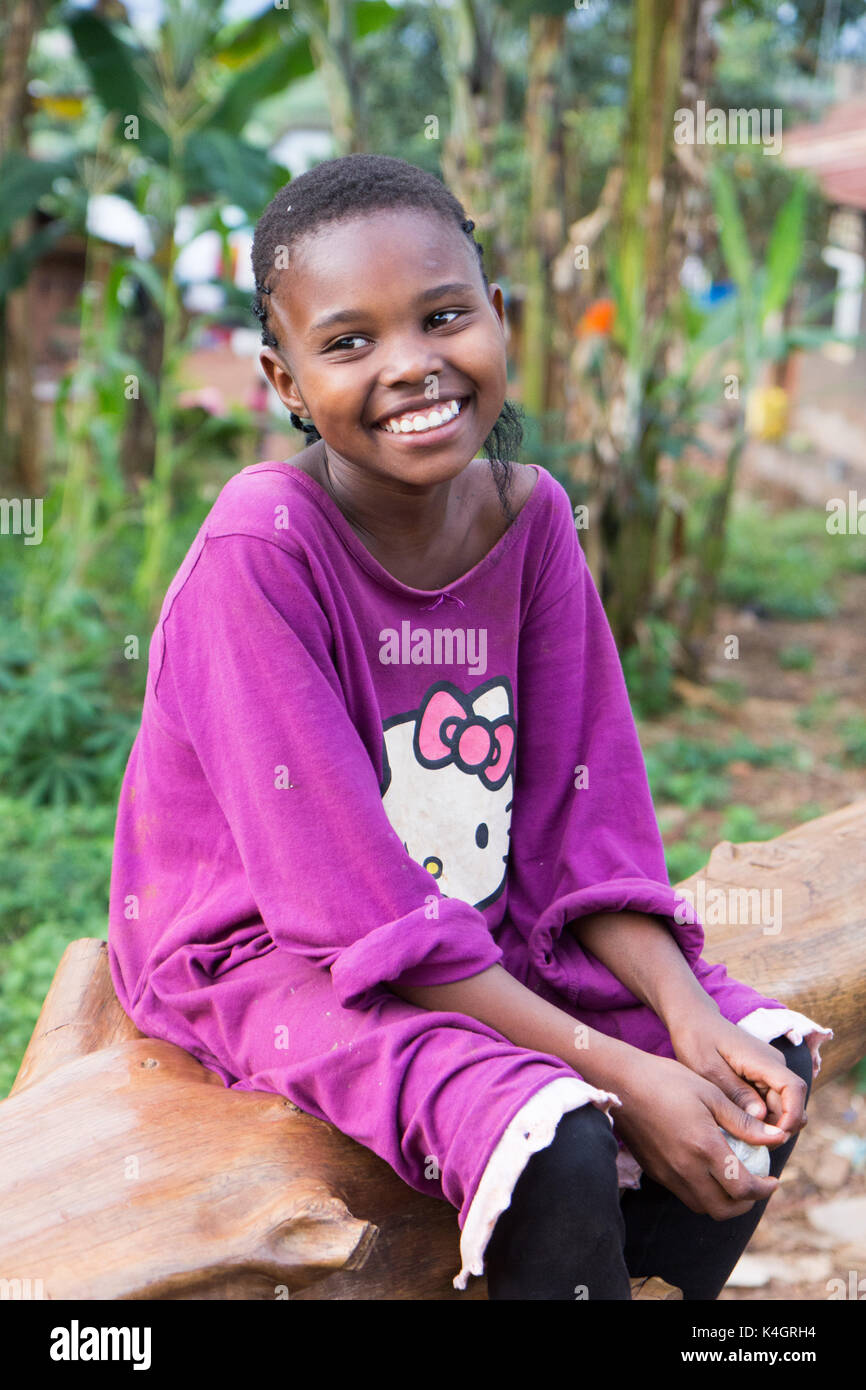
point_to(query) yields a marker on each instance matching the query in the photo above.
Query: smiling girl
(427, 903)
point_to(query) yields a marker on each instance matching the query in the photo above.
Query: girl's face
(379, 315)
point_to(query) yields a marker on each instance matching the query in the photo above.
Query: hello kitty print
(448, 783)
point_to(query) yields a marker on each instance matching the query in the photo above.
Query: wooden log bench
(128, 1171)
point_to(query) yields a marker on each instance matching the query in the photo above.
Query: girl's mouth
(440, 421)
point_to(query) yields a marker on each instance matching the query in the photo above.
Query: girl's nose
(410, 359)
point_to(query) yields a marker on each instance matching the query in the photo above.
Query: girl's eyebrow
(351, 315)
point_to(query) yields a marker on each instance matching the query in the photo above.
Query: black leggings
(569, 1233)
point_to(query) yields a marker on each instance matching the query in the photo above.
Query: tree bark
(631, 508)
(144, 342)
(467, 33)
(333, 48)
(19, 443)
(545, 227)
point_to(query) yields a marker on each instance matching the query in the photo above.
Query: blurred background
(672, 194)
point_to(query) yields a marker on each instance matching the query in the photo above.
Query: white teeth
(417, 424)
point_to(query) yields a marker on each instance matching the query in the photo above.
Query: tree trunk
(545, 227)
(144, 342)
(19, 444)
(631, 511)
(333, 47)
(467, 47)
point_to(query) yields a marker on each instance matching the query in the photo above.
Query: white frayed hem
(531, 1129)
(766, 1024)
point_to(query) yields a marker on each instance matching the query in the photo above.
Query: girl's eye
(338, 346)
(440, 312)
(349, 338)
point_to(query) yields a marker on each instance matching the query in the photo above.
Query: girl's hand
(751, 1073)
(671, 1119)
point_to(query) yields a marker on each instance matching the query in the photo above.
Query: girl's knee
(581, 1155)
(564, 1226)
(798, 1059)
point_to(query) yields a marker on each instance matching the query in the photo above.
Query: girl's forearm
(496, 998)
(641, 952)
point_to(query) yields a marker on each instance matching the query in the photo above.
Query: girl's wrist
(689, 1012)
(600, 1060)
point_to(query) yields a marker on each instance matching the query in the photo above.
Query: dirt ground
(811, 1243)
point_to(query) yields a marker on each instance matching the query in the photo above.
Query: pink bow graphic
(449, 731)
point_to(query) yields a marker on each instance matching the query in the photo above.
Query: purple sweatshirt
(342, 783)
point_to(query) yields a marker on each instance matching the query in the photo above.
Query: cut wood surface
(813, 957)
(128, 1171)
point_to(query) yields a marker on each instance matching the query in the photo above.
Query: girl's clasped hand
(673, 1112)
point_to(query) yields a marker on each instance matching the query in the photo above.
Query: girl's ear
(282, 381)
(494, 294)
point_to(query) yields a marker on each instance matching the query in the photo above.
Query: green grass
(786, 564)
(55, 867)
(733, 691)
(684, 858)
(796, 657)
(741, 823)
(648, 668)
(854, 740)
(819, 710)
(690, 772)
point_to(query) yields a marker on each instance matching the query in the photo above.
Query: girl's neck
(420, 536)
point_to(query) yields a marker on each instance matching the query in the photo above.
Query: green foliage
(854, 740)
(55, 864)
(27, 968)
(697, 784)
(70, 702)
(684, 858)
(764, 289)
(61, 740)
(649, 669)
(24, 182)
(733, 691)
(818, 711)
(54, 873)
(742, 823)
(796, 657)
(783, 564)
(690, 772)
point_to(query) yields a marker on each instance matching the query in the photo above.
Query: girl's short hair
(337, 190)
